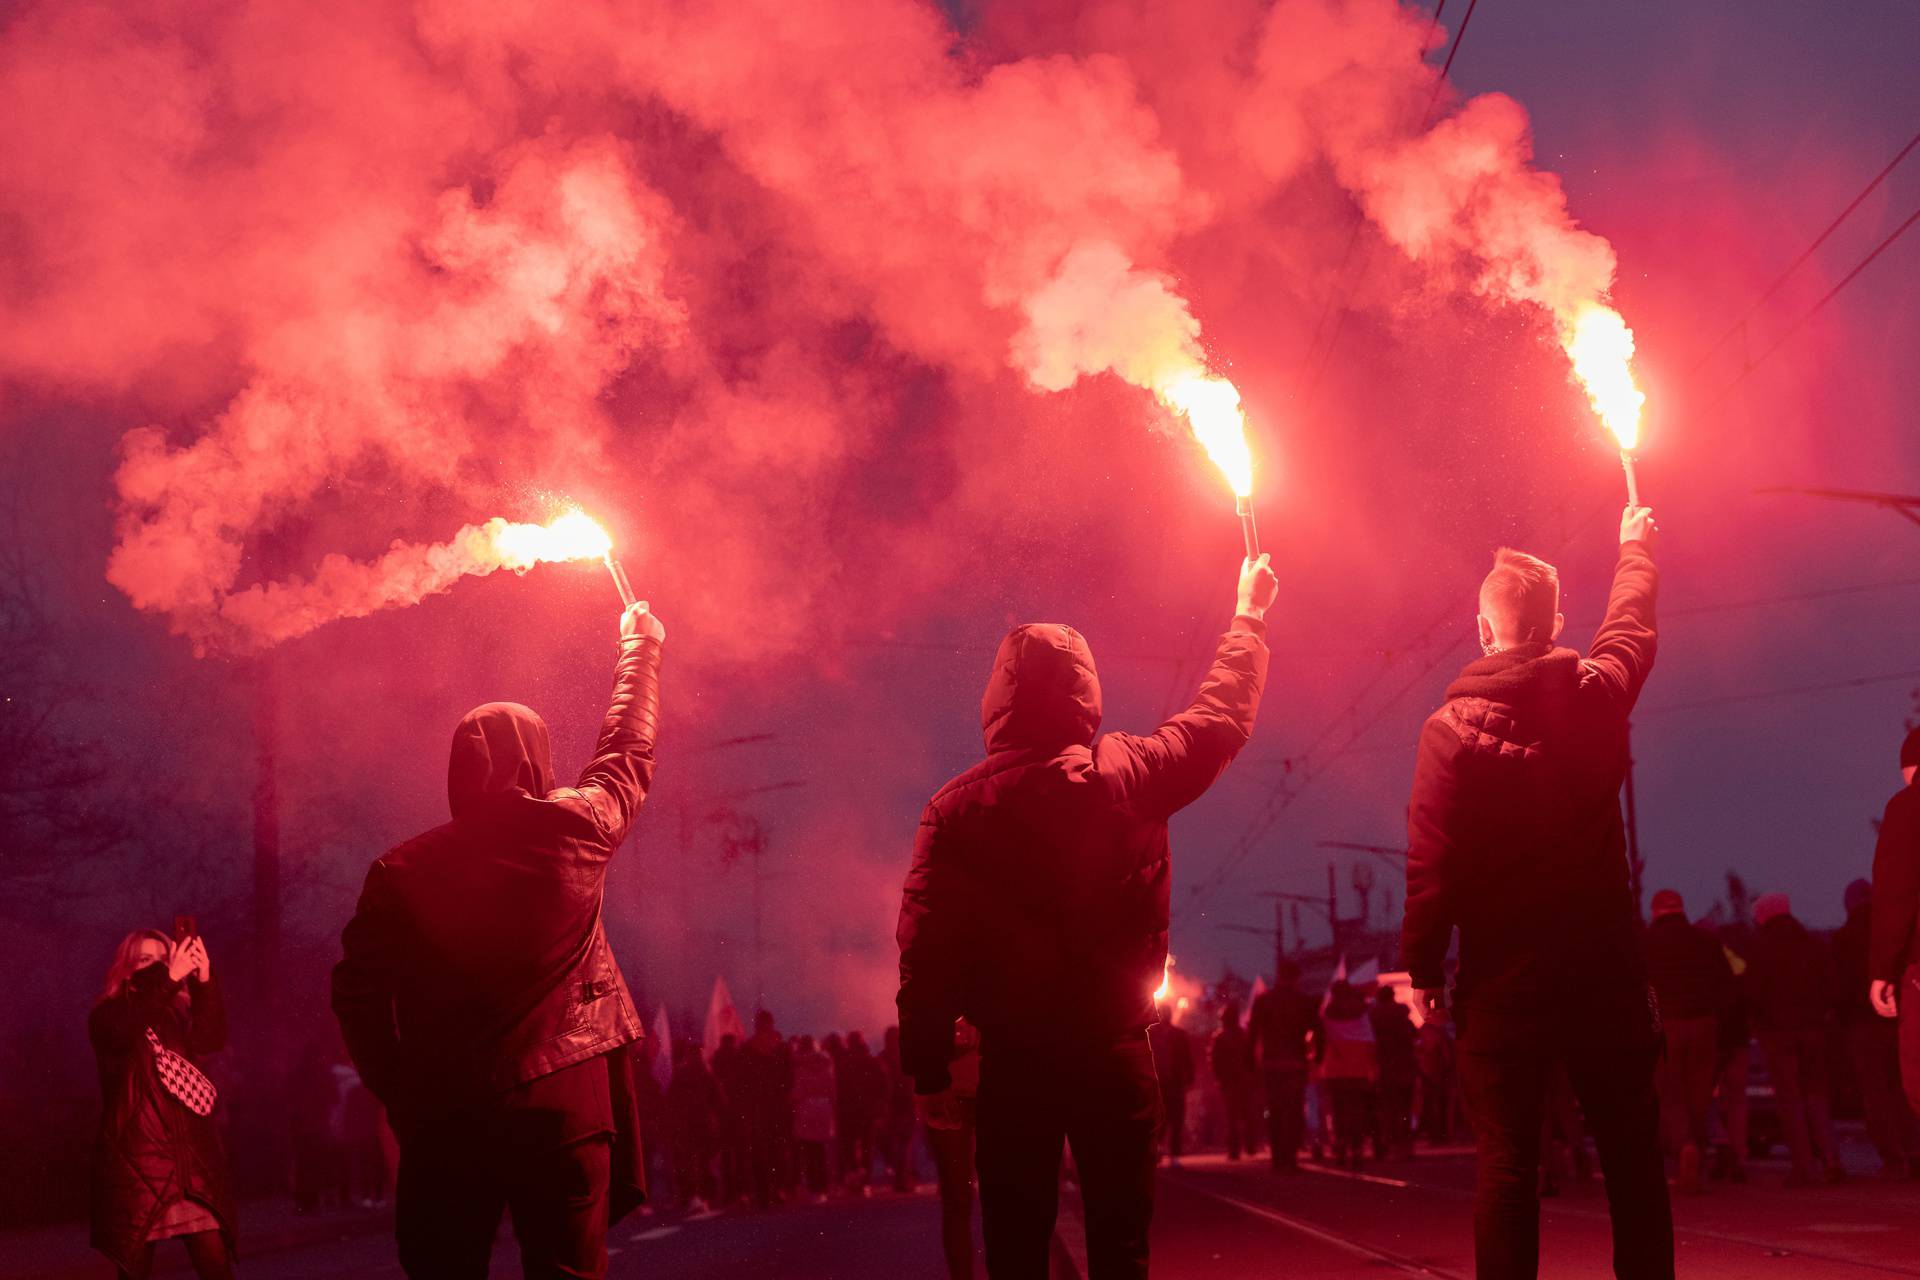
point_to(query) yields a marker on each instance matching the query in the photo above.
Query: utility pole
(1280, 935)
(1333, 911)
(266, 844)
(1636, 865)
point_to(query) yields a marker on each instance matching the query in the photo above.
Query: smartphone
(184, 927)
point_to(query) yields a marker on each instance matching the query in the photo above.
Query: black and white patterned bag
(183, 1080)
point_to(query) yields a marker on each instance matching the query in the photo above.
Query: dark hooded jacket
(1790, 978)
(1514, 826)
(1896, 888)
(1037, 901)
(477, 960)
(151, 1150)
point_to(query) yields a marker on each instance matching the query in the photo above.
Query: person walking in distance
(1230, 1055)
(480, 999)
(1393, 1049)
(1173, 1064)
(1790, 980)
(1690, 975)
(1037, 907)
(1516, 840)
(1288, 1039)
(1894, 988)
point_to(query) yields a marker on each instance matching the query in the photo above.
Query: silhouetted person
(1230, 1055)
(767, 1072)
(1790, 981)
(1037, 907)
(1434, 1052)
(1393, 1050)
(1873, 1043)
(862, 1083)
(900, 1119)
(1690, 975)
(694, 1109)
(1348, 1069)
(953, 1154)
(1173, 1065)
(1895, 989)
(813, 1104)
(1516, 840)
(480, 999)
(736, 1120)
(1288, 1038)
(159, 1169)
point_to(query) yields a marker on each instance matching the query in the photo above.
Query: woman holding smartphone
(159, 1170)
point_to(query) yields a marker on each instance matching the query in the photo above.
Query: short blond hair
(1521, 595)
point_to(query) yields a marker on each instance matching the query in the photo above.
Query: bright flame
(573, 536)
(1166, 982)
(1600, 346)
(1211, 407)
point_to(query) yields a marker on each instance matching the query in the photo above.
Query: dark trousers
(454, 1187)
(1286, 1113)
(1909, 998)
(953, 1165)
(693, 1154)
(1686, 1079)
(1105, 1102)
(1173, 1127)
(1394, 1118)
(1505, 1078)
(1236, 1097)
(1352, 1103)
(1797, 1063)
(1873, 1043)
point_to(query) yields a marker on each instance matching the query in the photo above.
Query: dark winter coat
(1230, 1054)
(1688, 969)
(1789, 978)
(151, 1150)
(1172, 1058)
(1037, 901)
(1514, 826)
(1286, 1029)
(1896, 887)
(1393, 1042)
(1853, 966)
(477, 960)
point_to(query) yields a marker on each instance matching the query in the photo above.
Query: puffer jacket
(151, 1150)
(1514, 828)
(477, 960)
(1037, 902)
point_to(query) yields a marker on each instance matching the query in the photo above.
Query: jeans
(1236, 1097)
(1686, 1080)
(1505, 1078)
(953, 1166)
(1105, 1101)
(1286, 1113)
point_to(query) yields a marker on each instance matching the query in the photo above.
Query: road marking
(1376, 1179)
(1343, 1243)
(658, 1233)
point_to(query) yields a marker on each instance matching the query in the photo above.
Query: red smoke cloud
(430, 247)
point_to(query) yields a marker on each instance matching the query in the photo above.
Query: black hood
(1043, 693)
(498, 749)
(1526, 673)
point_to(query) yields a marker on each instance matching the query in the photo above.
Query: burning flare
(1600, 346)
(270, 613)
(1211, 407)
(1166, 983)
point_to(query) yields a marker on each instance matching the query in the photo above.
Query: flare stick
(1633, 485)
(1244, 506)
(620, 582)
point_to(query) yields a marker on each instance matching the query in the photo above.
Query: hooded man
(1895, 987)
(1694, 984)
(1037, 907)
(1515, 839)
(481, 1002)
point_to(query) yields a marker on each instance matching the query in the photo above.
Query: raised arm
(1171, 767)
(931, 934)
(1434, 817)
(364, 983)
(615, 782)
(120, 1023)
(1623, 650)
